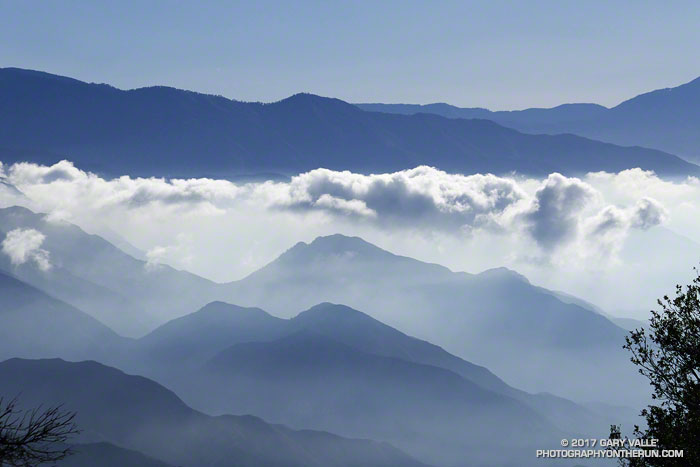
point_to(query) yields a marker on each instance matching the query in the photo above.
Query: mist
(582, 236)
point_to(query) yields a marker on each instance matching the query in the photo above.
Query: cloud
(24, 245)
(467, 223)
(419, 197)
(158, 255)
(647, 213)
(76, 189)
(556, 214)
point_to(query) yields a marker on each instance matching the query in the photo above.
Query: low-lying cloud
(554, 214)
(583, 235)
(24, 245)
(423, 196)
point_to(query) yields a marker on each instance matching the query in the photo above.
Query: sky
(494, 54)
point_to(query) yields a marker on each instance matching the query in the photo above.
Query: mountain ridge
(158, 130)
(666, 119)
(139, 414)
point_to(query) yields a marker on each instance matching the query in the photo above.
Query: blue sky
(495, 54)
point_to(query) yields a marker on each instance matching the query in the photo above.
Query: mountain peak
(336, 244)
(503, 273)
(305, 100)
(327, 311)
(222, 308)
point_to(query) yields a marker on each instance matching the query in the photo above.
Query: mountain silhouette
(307, 379)
(139, 414)
(174, 353)
(191, 340)
(665, 119)
(169, 132)
(108, 455)
(95, 276)
(35, 325)
(523, 333)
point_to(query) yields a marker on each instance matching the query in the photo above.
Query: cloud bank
(555, 214)
(583, 235)
(24, 245)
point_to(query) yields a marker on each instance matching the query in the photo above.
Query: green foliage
(668, 354)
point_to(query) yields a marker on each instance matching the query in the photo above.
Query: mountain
(193, 339)
(356, 329)
(172, 354)
(108, 455)
(138, 414)
(34, 325)
(169, 132)
(189, 341)
(306, 379)
(527, 120)
(665, 119)
(496, 318)
(95, 276)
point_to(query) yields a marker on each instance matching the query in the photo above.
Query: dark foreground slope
(138, 414)
(108, 455)
(169, 132)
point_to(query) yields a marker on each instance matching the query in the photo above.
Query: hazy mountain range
(34, 325)
(169, 132)
(330, 368)
(495, 318)
(92, 274)
(138, 414)
(665, 119)
(338, 369)
(350, 355)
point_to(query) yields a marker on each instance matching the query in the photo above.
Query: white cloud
(564, 233)
(24, 245)
(73, 189)
(647, 213)
(421, 197)
(159, 254)
(555, 213)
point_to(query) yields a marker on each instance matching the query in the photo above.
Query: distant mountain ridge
(495, 318)
(163, 131)
(95, 276)
(141, 415)
(337, 369)
(36, 325)
(179, 345)
(665, 119)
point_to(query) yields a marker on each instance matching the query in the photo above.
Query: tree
(668, 354)
(34, 437)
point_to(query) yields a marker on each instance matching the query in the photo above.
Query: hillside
(138, 414)
(665, 119)
(169, 132)
(496, 318)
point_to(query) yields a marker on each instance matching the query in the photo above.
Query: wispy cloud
(24, 245)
